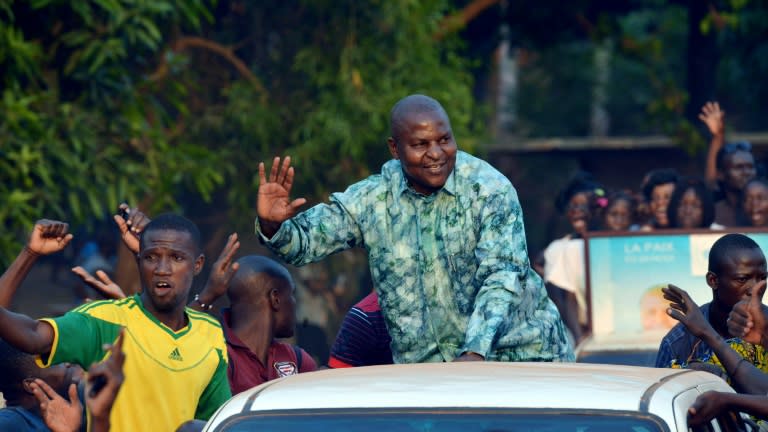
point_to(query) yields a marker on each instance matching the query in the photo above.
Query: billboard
(625, 273)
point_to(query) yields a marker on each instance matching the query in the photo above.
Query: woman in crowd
(756, 202)
(580, 201)
(691, 205)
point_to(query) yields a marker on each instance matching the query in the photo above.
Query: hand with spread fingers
(131, 222)
(712, 116)
(49, 236)
(59, 414)
(103, 284)
(685, 310)
(221, 273)
(747, 319)
(274, 204)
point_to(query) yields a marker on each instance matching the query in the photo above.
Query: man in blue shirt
(446, 246)
(736, 264)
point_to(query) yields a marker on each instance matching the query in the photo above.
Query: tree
(172, 102)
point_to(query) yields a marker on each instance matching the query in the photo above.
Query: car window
(446, 421)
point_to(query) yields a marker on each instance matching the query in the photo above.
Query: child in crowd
(620, 212)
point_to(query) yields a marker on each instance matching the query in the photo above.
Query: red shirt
(246, 371)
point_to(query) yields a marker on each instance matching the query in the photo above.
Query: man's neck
(175, 319)
(733, 197)
(255, 333)
(717, 316)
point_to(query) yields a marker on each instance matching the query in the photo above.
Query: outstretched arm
(712, 404)
(274, 204)
(712, 116)
(19, 330)
(744, 375)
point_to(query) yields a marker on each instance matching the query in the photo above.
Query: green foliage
(330, 86)
(155, 101)
(82, 129)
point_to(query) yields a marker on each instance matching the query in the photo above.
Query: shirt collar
(449, 186)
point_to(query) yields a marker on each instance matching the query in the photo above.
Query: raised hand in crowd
(103, 384)
(47, 237)
(713, 116)
(101, 283)
(274, 203)
(218, 279)
(131, 222)
(745, 377)
(747, 319)
(59, 414)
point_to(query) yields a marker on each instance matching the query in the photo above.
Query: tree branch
(460, 19)
(187, 42)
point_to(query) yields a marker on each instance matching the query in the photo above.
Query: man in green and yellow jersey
(176, 358)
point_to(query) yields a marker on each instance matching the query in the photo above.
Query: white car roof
(477, 384)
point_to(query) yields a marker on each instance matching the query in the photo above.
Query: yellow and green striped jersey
(170, 376)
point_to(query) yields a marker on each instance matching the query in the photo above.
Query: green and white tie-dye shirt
(451, 269)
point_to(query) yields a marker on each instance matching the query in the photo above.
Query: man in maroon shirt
(262, 309)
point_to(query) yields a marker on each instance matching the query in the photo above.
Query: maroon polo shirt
(246, 371)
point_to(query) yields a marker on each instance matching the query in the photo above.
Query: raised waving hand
(218, 279)
(274, 203)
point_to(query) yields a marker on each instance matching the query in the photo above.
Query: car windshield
(444, 421)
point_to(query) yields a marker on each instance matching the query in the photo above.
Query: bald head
(256, 277)
(410, 106)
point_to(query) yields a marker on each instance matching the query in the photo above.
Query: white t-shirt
(564, 267)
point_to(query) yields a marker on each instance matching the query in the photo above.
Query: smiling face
(690, 210)
(756, 203)
(660, 197)
(168, 262)
(426, 149)
(618, 215)
(579, 212)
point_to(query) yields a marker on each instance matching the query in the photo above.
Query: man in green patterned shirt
(445, 240)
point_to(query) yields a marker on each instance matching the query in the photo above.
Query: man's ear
(712, 280)
(274, 299)
(199, 262)
(393, 148)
